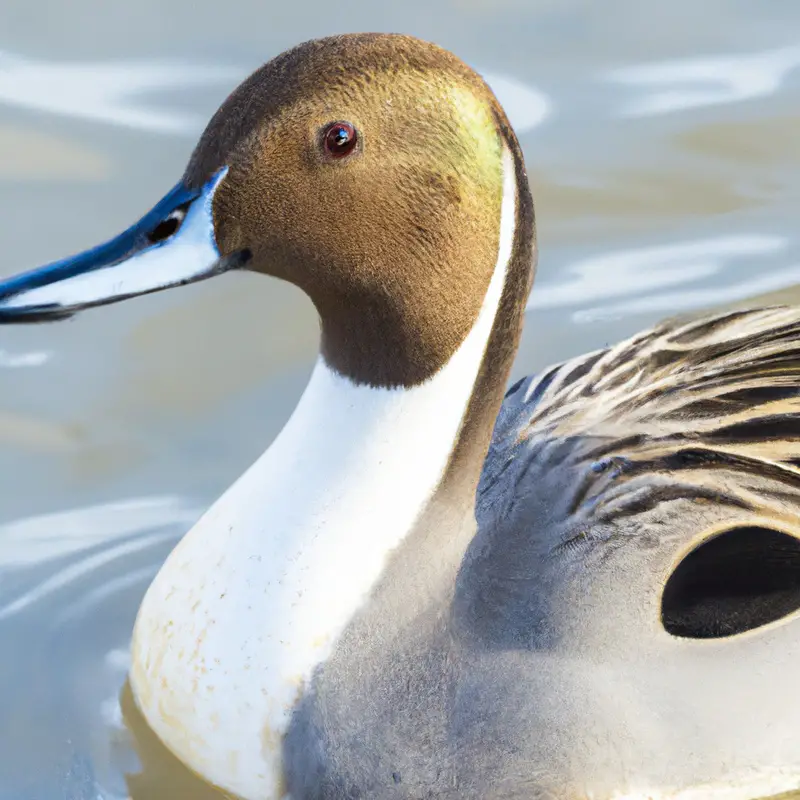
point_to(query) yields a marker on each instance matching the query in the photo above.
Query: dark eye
(339, 139)
(168, 226)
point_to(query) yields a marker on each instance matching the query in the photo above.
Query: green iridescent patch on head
(480, 135)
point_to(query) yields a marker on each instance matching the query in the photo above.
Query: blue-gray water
(661, 141)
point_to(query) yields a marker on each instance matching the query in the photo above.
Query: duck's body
(346, 621)
(538, 662)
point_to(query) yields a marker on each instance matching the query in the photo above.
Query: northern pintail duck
(603, 606)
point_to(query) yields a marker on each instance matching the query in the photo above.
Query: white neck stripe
(256, 594)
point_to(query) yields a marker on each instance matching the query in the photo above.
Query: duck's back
(637, 549)
(687, 426)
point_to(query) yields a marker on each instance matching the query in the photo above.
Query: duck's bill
(172, 245)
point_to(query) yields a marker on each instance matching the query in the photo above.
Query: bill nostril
(168, 226)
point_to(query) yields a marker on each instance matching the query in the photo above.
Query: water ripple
(106, 91)
(650, 270)
(707, 81)
(16, 360)
(525, 106)
(112, 532)
(33, 540)
(110, 91)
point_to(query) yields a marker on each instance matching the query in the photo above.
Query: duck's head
(367, 169)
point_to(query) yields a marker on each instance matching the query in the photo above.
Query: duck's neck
(283, 561)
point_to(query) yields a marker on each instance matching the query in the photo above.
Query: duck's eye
(168, 226)
(339, 139)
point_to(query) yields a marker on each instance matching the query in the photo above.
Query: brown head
(394, 239)
(366, 169)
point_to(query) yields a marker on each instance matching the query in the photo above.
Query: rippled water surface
(662, 145)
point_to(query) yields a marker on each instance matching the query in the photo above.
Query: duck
(584, 586)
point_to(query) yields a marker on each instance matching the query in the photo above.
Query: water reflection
(159, 776)
(107, 91)
(709, 81)
(526, 107)
(90, 538)
(20, 360)
(110, 91)
(648, 271)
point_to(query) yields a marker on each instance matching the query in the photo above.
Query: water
(661, 141)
